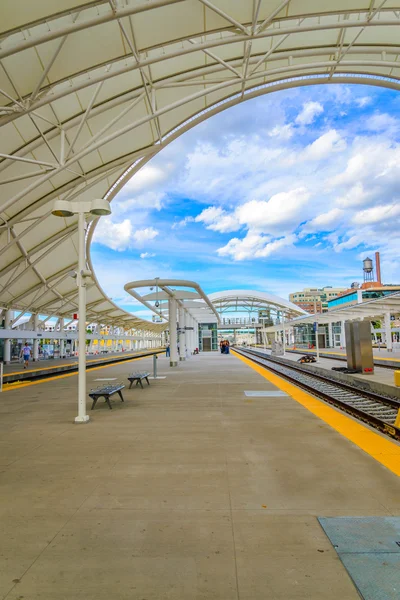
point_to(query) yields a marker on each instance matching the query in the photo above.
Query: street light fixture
(97, 208)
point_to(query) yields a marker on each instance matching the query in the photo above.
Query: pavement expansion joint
(264, 394)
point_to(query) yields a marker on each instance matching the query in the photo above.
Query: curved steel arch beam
(202, 46)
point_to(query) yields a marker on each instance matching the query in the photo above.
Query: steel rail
(328, 356)
(378, 411)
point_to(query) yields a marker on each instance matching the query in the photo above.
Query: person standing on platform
(26, 353)
(167, 350)
(227, 347)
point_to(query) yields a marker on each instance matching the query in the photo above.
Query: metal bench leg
(108, 402)
(141, 384)
(94, 403)
(148, 382)
(120, 395)
(130, 385)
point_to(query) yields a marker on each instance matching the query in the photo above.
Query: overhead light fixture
(100, 207)
(62, 208)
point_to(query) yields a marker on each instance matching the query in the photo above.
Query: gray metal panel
(349, 335)
(363, 347)
(369, 549)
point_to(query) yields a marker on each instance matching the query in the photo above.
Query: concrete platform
(381, 381)
(16, 372)
(189, 490)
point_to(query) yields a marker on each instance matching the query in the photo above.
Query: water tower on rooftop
(368, 268)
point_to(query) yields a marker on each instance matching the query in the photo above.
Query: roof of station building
(90, 93)
(253, 300)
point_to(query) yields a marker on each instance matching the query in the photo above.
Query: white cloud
(376, 214)
(354, 196)
(253, 246)
(148, 201)
(147, 177)
(116, 236)
(379, 122)
(217, 219)
(283, 132)
(326, 144)
(182, 222)
(363, 101)
(309, 112)
(141, 236)
(352, 242)
(323, 222)
(281, 210)
(147, 255)
(120, 236)
(210, 169)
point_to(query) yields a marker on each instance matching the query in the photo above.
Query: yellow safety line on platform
(383, 450)
(16, 386)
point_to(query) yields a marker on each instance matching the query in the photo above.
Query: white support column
(62, 341)
(182, 334)
(330, 335)
(342, 334)
(35, 323)
(388, 333)
(197, 335)
(7, 342)
(82, 416)
(190, 334)
(173, 341)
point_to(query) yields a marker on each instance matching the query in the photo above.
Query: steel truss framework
(90, 94)
(369, 310)
(251, 300)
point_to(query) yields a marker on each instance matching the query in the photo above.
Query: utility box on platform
(359, 346)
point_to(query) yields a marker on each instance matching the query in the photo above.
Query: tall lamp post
(96, 208)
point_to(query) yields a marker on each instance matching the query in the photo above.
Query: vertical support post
(35, 340)
(173, 362)
(388, 333)
(1, 376)
(182, 334)
(7, 342)
(82, 416)
(62, 341)
(283, 333)
(330, 335)
(342, 334)
(192, 335)
(316, 339)
(155, 366)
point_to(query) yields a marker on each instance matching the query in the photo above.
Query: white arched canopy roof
(90, 92)
(252, 300)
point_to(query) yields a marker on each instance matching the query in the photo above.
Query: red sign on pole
(75, 316)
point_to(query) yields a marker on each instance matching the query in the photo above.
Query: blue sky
(284, 191)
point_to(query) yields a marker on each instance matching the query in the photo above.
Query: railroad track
(382, 364)
(374, 409)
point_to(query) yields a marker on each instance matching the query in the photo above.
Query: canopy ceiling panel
(89, 93)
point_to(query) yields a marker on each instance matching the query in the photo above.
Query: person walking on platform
(227, 347)
(26, 353)
(167, 350)
(222, 346)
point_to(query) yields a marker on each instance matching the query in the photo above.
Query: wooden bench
(106, 391)
(138, 377)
